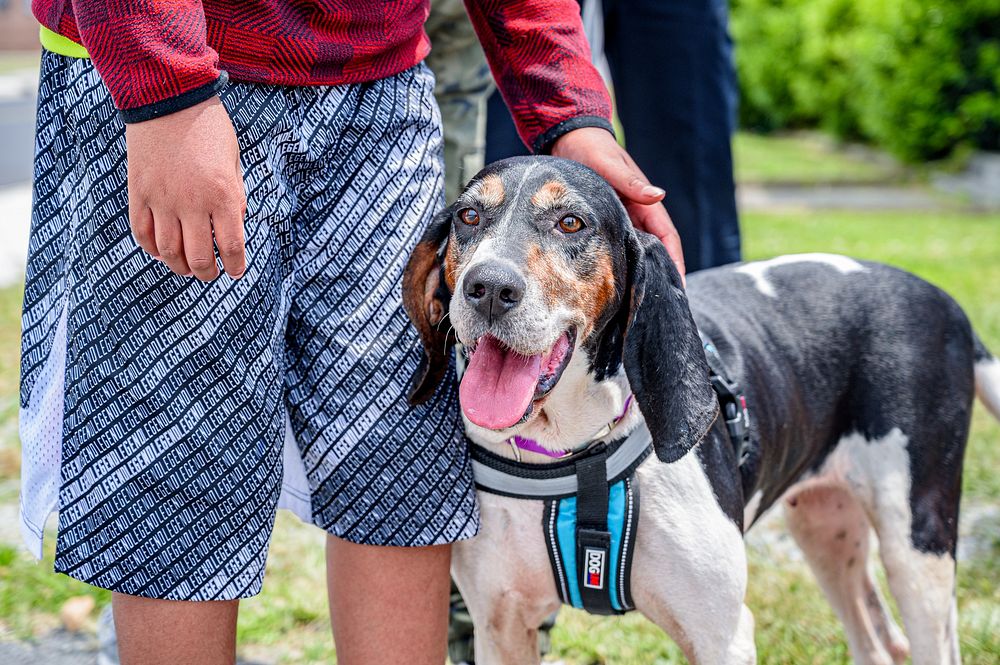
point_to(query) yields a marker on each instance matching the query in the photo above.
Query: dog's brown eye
(469, 216)
(570, 224)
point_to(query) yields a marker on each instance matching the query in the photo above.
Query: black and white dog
(860, 380)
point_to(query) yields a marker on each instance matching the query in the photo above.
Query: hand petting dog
(597, 148)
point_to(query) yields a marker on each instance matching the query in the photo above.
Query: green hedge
(918, 77)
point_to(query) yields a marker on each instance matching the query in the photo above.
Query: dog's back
(826, 346)
(861, 379)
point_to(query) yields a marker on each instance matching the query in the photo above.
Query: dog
(859, 377)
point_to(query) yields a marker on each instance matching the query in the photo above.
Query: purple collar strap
(517, 443)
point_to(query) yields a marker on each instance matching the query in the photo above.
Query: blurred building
(18, 28)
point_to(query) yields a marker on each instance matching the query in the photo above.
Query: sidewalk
(19, 84)
(17, 90)
(869, 198)
(59, 647)
(15, 220)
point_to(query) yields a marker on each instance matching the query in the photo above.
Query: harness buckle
(735, 413)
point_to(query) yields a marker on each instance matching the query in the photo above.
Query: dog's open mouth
(500, 385)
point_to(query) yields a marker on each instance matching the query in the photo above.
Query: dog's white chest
(507, 560)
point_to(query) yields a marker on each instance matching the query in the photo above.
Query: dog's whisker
(447, 335)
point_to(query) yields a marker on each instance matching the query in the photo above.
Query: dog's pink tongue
(498, 385)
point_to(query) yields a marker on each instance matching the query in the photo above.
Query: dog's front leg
(506, 631)
(689, 574)
(504, 576)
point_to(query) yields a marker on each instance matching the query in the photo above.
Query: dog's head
(536, 264)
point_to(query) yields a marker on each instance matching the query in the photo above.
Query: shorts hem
(33, 535)
(466, 533)
(125, 589)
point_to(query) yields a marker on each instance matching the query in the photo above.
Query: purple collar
(518, 443)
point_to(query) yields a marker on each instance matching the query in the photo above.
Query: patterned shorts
(164, 417)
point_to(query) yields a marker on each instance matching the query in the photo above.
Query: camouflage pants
(463, 85)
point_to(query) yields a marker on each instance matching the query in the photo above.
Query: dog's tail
(987, 378)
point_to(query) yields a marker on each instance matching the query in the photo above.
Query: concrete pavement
(15, 220)
(873, 198)
(17, 125)
(60, 647)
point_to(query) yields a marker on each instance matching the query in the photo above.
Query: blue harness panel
(582, 568)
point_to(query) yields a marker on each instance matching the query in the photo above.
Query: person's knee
(387, 561)
(380, 594)
(152, 631)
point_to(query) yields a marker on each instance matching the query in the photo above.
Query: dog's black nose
(493, 289)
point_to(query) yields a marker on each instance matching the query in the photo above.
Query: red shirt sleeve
(153, 55)
(541, 62)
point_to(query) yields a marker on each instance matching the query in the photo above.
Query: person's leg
(152, 406)
(151, 632)
(675, 92)
(380, 594)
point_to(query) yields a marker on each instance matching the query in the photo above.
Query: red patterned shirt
(160, 56)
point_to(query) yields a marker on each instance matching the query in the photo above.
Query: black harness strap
(732, 401)
(590, 578)
(556, 480)
(593, 540)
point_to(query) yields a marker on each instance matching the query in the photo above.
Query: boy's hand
(597, 148)
(185, 190)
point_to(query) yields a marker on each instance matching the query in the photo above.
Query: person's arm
(185, 185)
(152, 55)
(541, 62)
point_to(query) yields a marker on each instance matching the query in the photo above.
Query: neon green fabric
(53, 41)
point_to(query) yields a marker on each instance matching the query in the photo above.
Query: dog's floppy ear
(663, 356)
(426, 299)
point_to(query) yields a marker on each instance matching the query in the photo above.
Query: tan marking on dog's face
(602, 286)
(549, 195)
(451, 264)
(490, 191)
(587, 295)
(456, 258)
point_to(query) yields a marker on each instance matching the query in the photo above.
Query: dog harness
(590, 517)
(732, 401)
(591, 497)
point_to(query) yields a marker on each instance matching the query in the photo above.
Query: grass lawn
(288, 624)
(807, 159)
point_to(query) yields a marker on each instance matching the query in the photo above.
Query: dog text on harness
(594, 560)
